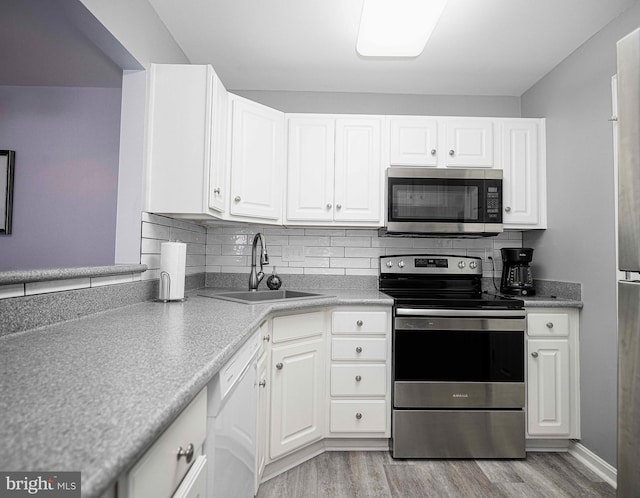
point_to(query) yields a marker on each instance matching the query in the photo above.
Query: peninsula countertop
(92, 394)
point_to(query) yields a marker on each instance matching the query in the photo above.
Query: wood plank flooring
(365, 474)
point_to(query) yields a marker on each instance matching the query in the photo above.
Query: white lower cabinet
(177, 453)
(297, 383)
(553, 389)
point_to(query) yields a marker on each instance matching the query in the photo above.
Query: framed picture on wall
(7, 164)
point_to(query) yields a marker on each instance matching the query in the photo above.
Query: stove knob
(401, 264)
(389, 264)
(473, 265)
(461, 264)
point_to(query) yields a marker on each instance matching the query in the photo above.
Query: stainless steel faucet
(256, 278)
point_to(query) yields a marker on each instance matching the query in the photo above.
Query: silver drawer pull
(187, 454)
(358, 415)
(279, 366)
(262, 383)
(359, 323)
(358, 349)
(266, 338)
(237, 198)
(534, 354)
(358, 378)
(550, 325)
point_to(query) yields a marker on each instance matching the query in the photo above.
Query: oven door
(451, 201)
(458, 359)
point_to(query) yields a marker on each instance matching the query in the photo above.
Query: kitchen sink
(266, 296)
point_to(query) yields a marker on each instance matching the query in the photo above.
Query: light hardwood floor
(367, 474)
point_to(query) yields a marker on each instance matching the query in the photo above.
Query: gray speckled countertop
(24, 276)
(93, 394)
(550, 302)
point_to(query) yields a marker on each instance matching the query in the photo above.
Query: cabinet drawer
(358, 416)
(365, 348)
(359, 322)
(287, 328)
(159, 471)
(548, 324)
(358, 380)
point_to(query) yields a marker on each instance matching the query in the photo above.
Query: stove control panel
(431, 264)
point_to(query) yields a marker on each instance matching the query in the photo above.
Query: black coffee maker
(516, 273)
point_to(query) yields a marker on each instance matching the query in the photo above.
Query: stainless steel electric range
(458, 361)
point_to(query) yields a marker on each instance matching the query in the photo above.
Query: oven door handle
(460, 313)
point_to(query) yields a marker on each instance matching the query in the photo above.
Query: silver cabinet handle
(238, 198)
(358, 349)
(279, 366)
(359, 323)
(549, 325)
(358, 415)
(338, 206)
(262, 383)
(187, 454)
(266, 338)
(507, 209)
(433, 152)
(216, 190)
(534, 354)
(329, 205)
(358, 378)
(451, 152)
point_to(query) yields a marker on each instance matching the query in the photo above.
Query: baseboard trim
(603, 469)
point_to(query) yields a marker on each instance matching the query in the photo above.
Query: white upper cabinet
(524, 173)
(441, 142)
(187, 155)
(334, 174)
(414, 141)
(310, 164)
(257, 160)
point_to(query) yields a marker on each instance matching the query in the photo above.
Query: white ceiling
(479, 47)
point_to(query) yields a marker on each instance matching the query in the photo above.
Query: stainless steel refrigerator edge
(628, 471)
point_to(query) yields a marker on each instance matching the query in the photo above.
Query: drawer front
(358, 416)
(365, 349)
(548, 324)
(359, 322)
(358, 380)
(287, 328)
(159, 471)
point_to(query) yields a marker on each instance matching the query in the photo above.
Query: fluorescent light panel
(397, 28)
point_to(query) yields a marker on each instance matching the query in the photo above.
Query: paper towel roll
(173, 259)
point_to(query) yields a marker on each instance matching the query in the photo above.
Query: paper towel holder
(164, 289)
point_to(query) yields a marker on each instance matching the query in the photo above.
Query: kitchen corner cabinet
(297, 382)
(441, 142)
(187, 141)
(334, 172)
(553, 389)
(524, 173)
(262, 419)
(257, 161)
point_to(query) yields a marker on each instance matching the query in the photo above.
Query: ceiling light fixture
(397, 28)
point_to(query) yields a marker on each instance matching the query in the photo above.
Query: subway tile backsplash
(335, 251)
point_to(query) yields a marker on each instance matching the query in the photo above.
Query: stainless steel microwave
(444, 201)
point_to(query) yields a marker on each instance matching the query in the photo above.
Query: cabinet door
(548, 387)
(469, 142)
(358, 170)
(413, 141)
(257, 154)
(520, 172)
(310, 161)
(178, 145)
(262, 420)
(297, 390)
(219, 154)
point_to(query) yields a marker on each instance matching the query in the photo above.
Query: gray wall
(66, 175)
(372, 103)
(579, 245)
